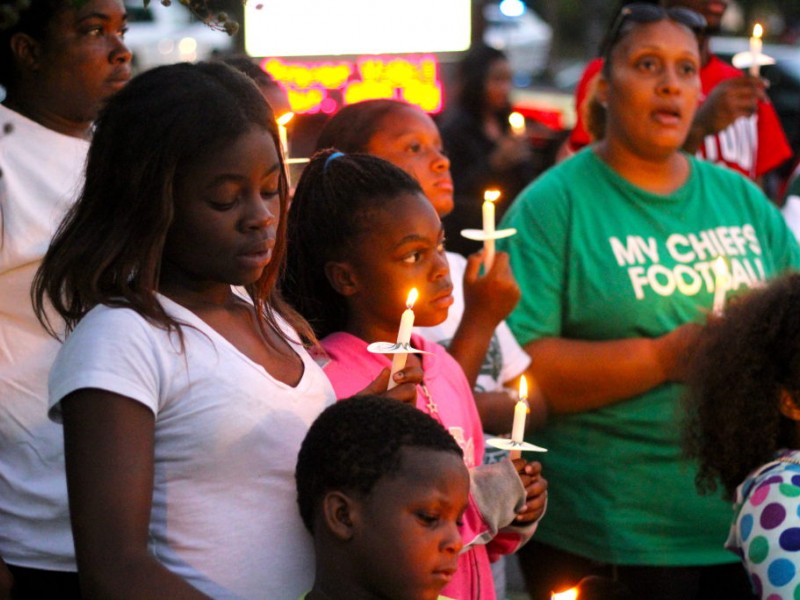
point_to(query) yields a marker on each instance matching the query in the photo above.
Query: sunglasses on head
(639, 12)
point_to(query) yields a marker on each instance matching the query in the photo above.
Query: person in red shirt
(736, 125)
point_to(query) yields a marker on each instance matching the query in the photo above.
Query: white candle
(283, 136)
(489, 198)
(520, 414)
(755, 49)
(722, 282)
(403, 336)
(517, 123)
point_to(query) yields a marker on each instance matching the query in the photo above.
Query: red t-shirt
(751, 145)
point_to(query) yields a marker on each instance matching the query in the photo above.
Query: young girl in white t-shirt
(184, 399)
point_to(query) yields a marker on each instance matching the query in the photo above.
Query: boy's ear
(788, 406)
(26, 51)
(340, 514)
(342, 277)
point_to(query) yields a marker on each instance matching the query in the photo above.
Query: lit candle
(283, 136)
(722, 282)
(520, 414)
(403, 336)
(755, 49)
(517, 123)
(570, 594)
(283, 121)
(489, 198)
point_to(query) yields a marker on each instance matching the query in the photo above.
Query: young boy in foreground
(381, 486)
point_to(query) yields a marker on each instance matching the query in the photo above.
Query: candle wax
(722, 281)
(488, 229)
(755, 51)
(403, 339)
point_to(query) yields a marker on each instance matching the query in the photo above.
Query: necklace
(430, 404)
(789, 459)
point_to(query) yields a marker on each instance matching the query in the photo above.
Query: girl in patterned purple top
(743, 416)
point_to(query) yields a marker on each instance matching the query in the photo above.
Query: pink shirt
(449, 400)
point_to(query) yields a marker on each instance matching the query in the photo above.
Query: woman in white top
(59, 62)
(184, 400)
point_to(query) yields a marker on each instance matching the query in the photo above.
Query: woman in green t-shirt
(619, 253)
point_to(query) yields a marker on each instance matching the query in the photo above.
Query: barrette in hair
(333, 156)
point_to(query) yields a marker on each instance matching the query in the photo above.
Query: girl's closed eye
(428, 518)
(460, 517)
(224, 196)
(414, 148)
(269, 193)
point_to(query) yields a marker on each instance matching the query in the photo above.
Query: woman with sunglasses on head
(735, 125)
(615, 257)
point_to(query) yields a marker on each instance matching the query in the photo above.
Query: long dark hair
(108, 249)
(473, 73)
(354, 125)
(331, 209)
(741, 366)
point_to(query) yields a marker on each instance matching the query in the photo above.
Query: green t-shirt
(599, 259)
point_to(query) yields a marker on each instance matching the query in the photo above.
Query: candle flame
(491, 195)
(758, 31)
(523, 388)
(516, 120)
(720, 267)
(570, 594)
(412, 298)
(284, 119)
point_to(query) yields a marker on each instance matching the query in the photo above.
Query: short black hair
(32, 18)
(356, 442)
(245, 64)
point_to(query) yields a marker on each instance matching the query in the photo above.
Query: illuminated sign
(355, 27)
(325, 86)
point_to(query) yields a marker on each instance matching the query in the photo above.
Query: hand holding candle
(403, 336)
(521, 410)
(517, 444)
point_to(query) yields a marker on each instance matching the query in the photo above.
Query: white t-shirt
(791, 212)
(504, 360)
(227, 434)
(42, 171)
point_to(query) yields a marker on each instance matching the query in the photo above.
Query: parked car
(783, 77)
(159, 35)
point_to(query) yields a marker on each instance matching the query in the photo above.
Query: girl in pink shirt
(361, 235)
